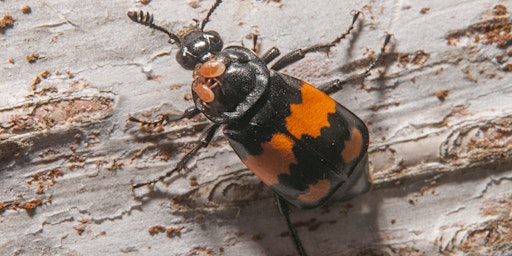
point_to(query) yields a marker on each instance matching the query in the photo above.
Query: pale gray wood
(441, 169)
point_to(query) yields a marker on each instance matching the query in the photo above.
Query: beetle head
(196, 45)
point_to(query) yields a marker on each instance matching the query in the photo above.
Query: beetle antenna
(207, 18)
(146, 19)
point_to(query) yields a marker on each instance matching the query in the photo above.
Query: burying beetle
(293, 136)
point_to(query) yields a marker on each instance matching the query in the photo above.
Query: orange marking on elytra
(276, 159)
(316, 192)
(353, 146)
(311, 115)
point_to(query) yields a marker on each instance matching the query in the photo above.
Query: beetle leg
(164, 119)
(337, 84)
(299, 54)
(285, 211)
(254, 42)
(332, 86)
(270, 55)
(203, 141)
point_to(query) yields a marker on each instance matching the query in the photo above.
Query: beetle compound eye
(211, 69)
(204, 92)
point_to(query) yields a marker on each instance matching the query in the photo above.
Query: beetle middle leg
(299, 54)
(337, 84)
(203, 141)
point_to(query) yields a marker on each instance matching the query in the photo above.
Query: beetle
(299, 141)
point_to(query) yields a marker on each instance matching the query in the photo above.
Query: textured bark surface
(439, 112)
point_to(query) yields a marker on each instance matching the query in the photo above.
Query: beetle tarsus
(166, 118)
(336, 85)
(299, 54)
(203, 141)
(379, 57)
(160, 121)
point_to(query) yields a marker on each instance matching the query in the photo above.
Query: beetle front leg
(165, 119)
(203, 141)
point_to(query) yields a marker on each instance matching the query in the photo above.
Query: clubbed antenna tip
(146, 19)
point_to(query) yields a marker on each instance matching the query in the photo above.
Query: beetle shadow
(354, 37)
(364, 225)
(351, 225)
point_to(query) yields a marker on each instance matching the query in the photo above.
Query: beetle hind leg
(285, 211)
(299, 54)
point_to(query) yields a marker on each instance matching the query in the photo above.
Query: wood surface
(439, 111)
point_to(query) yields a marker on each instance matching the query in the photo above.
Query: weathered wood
(439, 112)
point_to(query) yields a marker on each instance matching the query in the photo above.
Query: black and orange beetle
(293, 136)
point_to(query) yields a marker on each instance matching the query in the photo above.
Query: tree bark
(439, 110)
